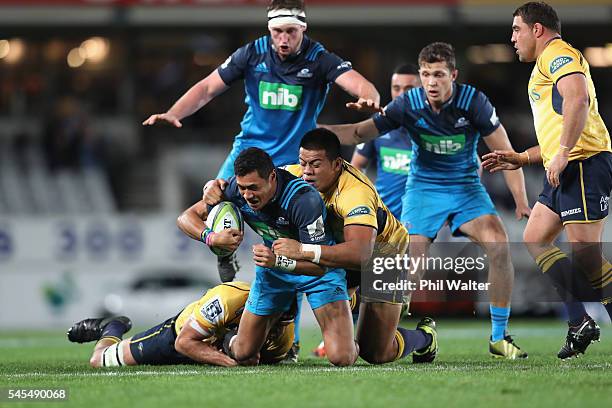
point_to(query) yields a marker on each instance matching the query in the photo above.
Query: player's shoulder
(294, 190)
(414, 99)
(314, 50)
(258, 46)
(468, 97)
(231, 191)
(293, 169)
(558, 54)
(223, 303)
(353, 184)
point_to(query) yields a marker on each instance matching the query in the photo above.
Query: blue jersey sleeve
(483, 115)
(332, 66)
(307, 212)
(367, 150)
(231, 192)
(235, 65)
(394, 116)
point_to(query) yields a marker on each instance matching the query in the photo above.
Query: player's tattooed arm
(189, 343)
(192, 101)
(354, 133)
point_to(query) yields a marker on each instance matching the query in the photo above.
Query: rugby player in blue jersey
(445, 121)
(276, 205)
(392, 151)
(287, 77)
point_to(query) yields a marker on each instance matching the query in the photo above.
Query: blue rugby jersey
(296, 211)
(284, 98)
(444, 144)
(392, 152)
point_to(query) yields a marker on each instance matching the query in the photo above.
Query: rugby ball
(222, 216)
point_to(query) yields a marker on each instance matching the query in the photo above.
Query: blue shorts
(156, 346)
(273, 292)
(426, 206)
(584, 191)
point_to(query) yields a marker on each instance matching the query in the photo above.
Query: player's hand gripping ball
(226, 221)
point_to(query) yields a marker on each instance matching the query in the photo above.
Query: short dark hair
(253, 159)
(322, 139)
(286, 4)
(539, 12)
(438, 52)
(406, 69)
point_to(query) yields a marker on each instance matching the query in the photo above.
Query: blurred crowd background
(77, 78)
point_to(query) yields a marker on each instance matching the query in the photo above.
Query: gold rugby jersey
(355, 201)
(560, 59)
(220, 307)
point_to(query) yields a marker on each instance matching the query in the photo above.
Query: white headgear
(280, 17)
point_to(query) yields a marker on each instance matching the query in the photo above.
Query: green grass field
(463, 375)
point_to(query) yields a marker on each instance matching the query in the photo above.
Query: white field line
(297, 370)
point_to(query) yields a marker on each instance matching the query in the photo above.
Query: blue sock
(499, 322)
(298, 314)
(413, 340)
(575, 312)
(114, 329)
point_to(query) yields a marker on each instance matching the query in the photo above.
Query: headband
(280, 17)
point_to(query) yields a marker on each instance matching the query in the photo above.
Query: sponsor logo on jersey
(305, 73)
(212, 310)
(280, 96)
(571, 212)
(422, 123)
(604, 202)
(494, 119)
(361, 210)
(395, 161)
(559, 62)
(226, 63)
(316, 230)
(345, 65)
(282, 221)
(446, 145)
(462, 122)
(262, 68)
(533, 95)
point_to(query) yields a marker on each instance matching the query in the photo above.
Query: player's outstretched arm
(193, 100)
(264, 257)
(498, 160)
(515, 180)
(354, 133)
(189, 343)
(351, 254)
(368, 98)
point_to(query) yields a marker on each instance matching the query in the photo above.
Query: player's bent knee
(342, 360)
(342, 356)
